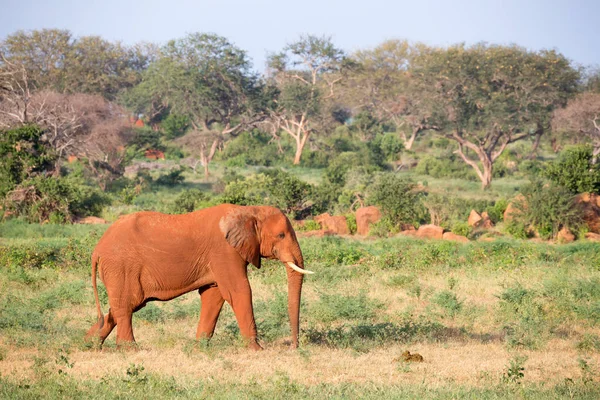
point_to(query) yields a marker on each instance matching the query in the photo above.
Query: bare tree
(582, 117)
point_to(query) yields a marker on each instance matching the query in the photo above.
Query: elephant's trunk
(294, 293)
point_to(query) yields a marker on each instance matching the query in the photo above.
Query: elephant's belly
(167, 289)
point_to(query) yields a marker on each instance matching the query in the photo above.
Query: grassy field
(504, 319)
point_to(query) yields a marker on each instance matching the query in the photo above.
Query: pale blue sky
(264, 26)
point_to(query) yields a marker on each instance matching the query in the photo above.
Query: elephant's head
(257, 232)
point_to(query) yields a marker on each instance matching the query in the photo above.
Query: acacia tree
(306, 72)
(383, 84)
(486, 97)
(207, 79)
(57, 61)
(581, 117)
(42, 53)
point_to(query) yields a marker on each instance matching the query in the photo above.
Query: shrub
(22, 155)
(271, 187)
(187, 201)
(171, 178)
(448, 166)
(574, 170)
(252, 148)
(397, 198)
(55, 199)
(448, 301)
(333, 307)
(547, 208)
(175, 125)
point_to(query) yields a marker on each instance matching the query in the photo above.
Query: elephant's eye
(281, 235)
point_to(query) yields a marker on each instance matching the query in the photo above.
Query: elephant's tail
(95, 261)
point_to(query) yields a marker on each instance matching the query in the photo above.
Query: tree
(486, 97)
(384, 85)
(306, 72)
(581, 117)
(97, 66)
(207, 79)
(42, 52)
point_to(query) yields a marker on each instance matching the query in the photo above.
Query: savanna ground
(503, 319)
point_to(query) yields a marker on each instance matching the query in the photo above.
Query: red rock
(565, 236)
(474, 218)
(336, 224)
(154, 155)
(591, 210)
(365, 216)
(486, 222)
(592, 236)
(319, 233)
(455, 237)
(430, 232)
(91, 220)
(409, 232)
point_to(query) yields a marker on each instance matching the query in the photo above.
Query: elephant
(149, 256)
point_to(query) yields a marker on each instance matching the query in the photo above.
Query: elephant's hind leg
(123, 318)
(107, 328)
(212, 302)
(102, 333)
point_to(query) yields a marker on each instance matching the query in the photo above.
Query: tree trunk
(300, 143)
(206, 172)
(536, 143)
(409, 143)
(486, 178)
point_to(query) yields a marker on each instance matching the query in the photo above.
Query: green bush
(252, 148)
(447, 166)
(334, 307)
(175, 125)
(23, 154)
(448, 301)
(171, 178)
(397, 198)
(187, 201)
(55, 199)
(273, 187)
(574, 170)
(547, 209)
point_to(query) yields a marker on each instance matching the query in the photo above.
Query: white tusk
(298, 269)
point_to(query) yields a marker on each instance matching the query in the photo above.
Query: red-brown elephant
(152, 256)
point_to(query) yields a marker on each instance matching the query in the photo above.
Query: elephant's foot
(253, 345)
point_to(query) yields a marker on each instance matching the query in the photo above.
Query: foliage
(23, 154)
(187, 201)
(55, 199)
(332, 307)
(547, 209)
(273, 187)
(575, 171)
(251, 148)
(447, 167)
(398, 199)
(515, 371)
(175, 125)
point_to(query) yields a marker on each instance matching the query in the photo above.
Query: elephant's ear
(240, 229)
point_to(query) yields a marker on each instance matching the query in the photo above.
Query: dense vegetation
(454, 303)
(90, 127)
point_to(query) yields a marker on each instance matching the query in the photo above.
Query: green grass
(365, 297)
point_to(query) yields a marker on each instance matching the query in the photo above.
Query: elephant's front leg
(239, 295)
(212, 302)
